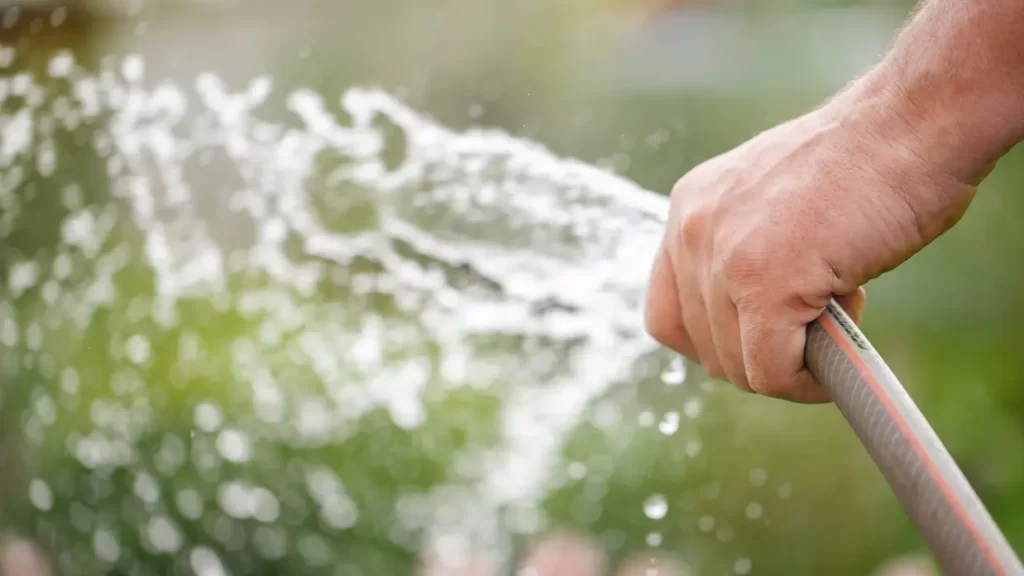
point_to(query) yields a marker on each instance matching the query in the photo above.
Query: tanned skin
(761, 237)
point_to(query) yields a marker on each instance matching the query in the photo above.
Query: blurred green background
(648, 89)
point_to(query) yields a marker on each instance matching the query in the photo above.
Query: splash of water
(293, 277)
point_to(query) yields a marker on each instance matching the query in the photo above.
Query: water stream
(245, 337)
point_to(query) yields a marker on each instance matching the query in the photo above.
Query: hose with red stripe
(924, 477)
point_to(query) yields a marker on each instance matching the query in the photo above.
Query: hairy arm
(955, 78)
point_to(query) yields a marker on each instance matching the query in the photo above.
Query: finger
(695, 318)
(565, 555)
(664, 318)
(725, 330)
(646, 565)
(854, 304)
(773, 351)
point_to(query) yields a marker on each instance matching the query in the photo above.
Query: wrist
(924, 151)
(957, 125)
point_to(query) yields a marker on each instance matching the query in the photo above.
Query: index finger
(663, 313)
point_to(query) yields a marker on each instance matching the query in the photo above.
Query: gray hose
(925, 478)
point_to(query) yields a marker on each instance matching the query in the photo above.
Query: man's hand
(760, 238)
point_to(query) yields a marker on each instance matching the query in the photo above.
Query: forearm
(955, 78)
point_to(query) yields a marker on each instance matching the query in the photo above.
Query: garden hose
(952, 520)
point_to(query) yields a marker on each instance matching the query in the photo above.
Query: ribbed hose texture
(924, 477)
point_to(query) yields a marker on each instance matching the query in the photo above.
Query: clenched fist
(760, 238)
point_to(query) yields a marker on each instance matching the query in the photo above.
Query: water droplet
(259, 89)
(11, 16)
(670, 424)
(106, 546)
(234, 446)
(146, 488)
(577, 470)
(40, 495)
(656, 507)
(758, 476)
(336, 507)
(476, 111)
(712, 490)
(315, 550)
(69, 381)
(58, 15)
(654, 539)
(190, 504)
(754, 510)
(163, 535)
(208, 417)
(132, 68)
(693, 448)
(725, 534)
(138, 349)
(233, 498)
(45, 408)
(693, 408)
(675, 374)
(22, 276)
(606, 414)
(706, 523)
(61, 65)
(785, 490)
(742, 566)
(657, 138)
(266, 509)
(205, 562)
(646, 419)
(271, 542)
(8, 332)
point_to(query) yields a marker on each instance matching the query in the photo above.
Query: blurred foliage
(948, 321)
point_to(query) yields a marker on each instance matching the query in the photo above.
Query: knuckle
(761, 382)
(686, 183)
(739, 380)
(693, 226)
(772, 387)
(762, 386)
(744, 276)
(693, 216)
(714, 370)
(738, 376)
